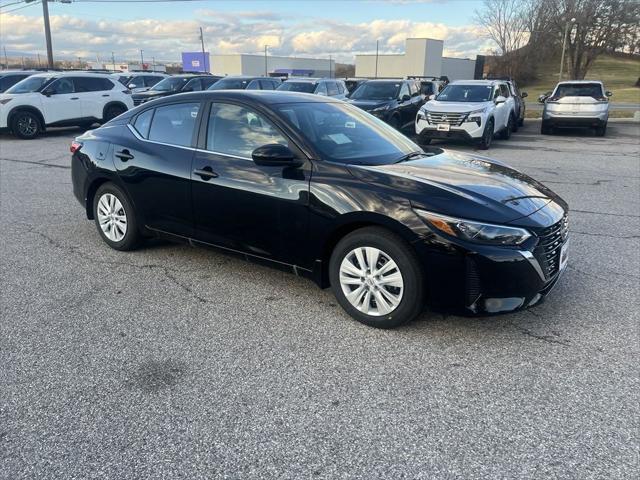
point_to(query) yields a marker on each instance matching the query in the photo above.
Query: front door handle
(205, 173)
(74, 98)
(124, 155)
(105, 95)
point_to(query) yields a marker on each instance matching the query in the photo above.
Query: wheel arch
(29, 108)
(349, 224)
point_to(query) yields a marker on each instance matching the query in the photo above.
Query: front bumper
(481, 280)
(468, 131)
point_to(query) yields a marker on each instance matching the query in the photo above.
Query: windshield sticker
(339, 138)
(350, 125)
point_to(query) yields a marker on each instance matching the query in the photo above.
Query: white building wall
(243, 64)
(226, 65)
(458, 68)
(423, 57)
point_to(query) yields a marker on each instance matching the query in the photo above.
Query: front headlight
(473, 231)
(476, 116)
(384, 108)
(422, 114)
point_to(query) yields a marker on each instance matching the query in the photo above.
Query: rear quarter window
(142, 123)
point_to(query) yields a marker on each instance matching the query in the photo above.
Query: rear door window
(254, 85)
(193, 85)
(61, 86)
(332, 89)
(321, 89)
(174, 124)
(90, 84)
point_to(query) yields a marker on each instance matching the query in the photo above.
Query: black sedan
(176, 84)
(321, 188)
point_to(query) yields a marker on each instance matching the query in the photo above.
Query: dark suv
(395, 101)
(175, 84)
(9, 78)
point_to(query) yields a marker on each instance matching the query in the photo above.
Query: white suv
(473, 110)
(56, 99)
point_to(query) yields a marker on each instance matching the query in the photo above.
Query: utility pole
(564, 45)
(330, 68)
(204, 56)
(153, 63)
(6, 60)
(377, 45)
(38, 59)
(141, 60)
(47, 33)
(266, 70)
(113, 61)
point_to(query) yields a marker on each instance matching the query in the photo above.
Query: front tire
(487, 136)
(376, 278)
(115, 218)
(26, 125)
(394, 122)
(506, 133)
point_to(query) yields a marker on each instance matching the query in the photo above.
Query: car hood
(457, 107)
(369, 104)
(465, 186)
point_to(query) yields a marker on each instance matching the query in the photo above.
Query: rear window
(579, 90)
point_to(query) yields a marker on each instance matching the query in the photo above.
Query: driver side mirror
(500, 99)
(275, 155)
(405, 98)
(524, 95)
(608, 93)
(542, 98)
(132, 85)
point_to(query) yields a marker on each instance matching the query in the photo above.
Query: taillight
(75, 146)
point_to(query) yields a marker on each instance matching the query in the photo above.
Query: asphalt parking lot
(176, 362)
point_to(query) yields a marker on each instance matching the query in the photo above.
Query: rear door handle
(205, 173)
(74, 98)
(105, 95)
(124, 155)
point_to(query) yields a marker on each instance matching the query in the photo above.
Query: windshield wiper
(411, 156)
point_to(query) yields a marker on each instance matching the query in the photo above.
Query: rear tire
(394, 122)
(506, 133)
(378, 297)
(601, 131)
(487, 136)
(545, 128)
(115, 218)
(112, 112)
(26, 125)
(521, 122)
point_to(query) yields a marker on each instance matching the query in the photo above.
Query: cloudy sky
(163, 29)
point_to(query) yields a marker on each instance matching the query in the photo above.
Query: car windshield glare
(303, 87)
(169, 85)
(28, 85)
(465, 93)
(229, 84)
(376, 91)
(343, 133)
(579, 90)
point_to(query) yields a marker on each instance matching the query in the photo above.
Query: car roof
(387, 80)
(303, 79)
(246, 77)
(476, 82)
(18, 72)
(579, 81)
(71, 73)
(264, 97)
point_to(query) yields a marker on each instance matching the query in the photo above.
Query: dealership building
(422, 57)
(248, 64)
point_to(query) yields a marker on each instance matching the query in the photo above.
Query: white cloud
(240, 32)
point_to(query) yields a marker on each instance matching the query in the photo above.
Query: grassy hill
(618, 74)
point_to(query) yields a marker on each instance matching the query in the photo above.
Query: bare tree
(600, 26)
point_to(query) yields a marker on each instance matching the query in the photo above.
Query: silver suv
(328, 87)
(576, 103)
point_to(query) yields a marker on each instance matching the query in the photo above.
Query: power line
(20, 8)
(12, 3)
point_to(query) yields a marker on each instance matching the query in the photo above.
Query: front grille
(547, 251)
(445, 117)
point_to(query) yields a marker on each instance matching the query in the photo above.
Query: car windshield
(304, 87)
(579, 90)
(343, 133)
(125, 79)
(28, 85)
(172, 84)
(230, 84)
(376, 91)
(465, 93)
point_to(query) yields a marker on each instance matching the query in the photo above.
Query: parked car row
(471, 110)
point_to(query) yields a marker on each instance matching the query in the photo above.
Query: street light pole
(266, 70)
(141, 60)
(564, 45)
(47, 33)
(377, 42)
(113, 61)
(204, 57)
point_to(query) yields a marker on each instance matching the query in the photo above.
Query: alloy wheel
(371, 281)
(112, 217)
(27, 125)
